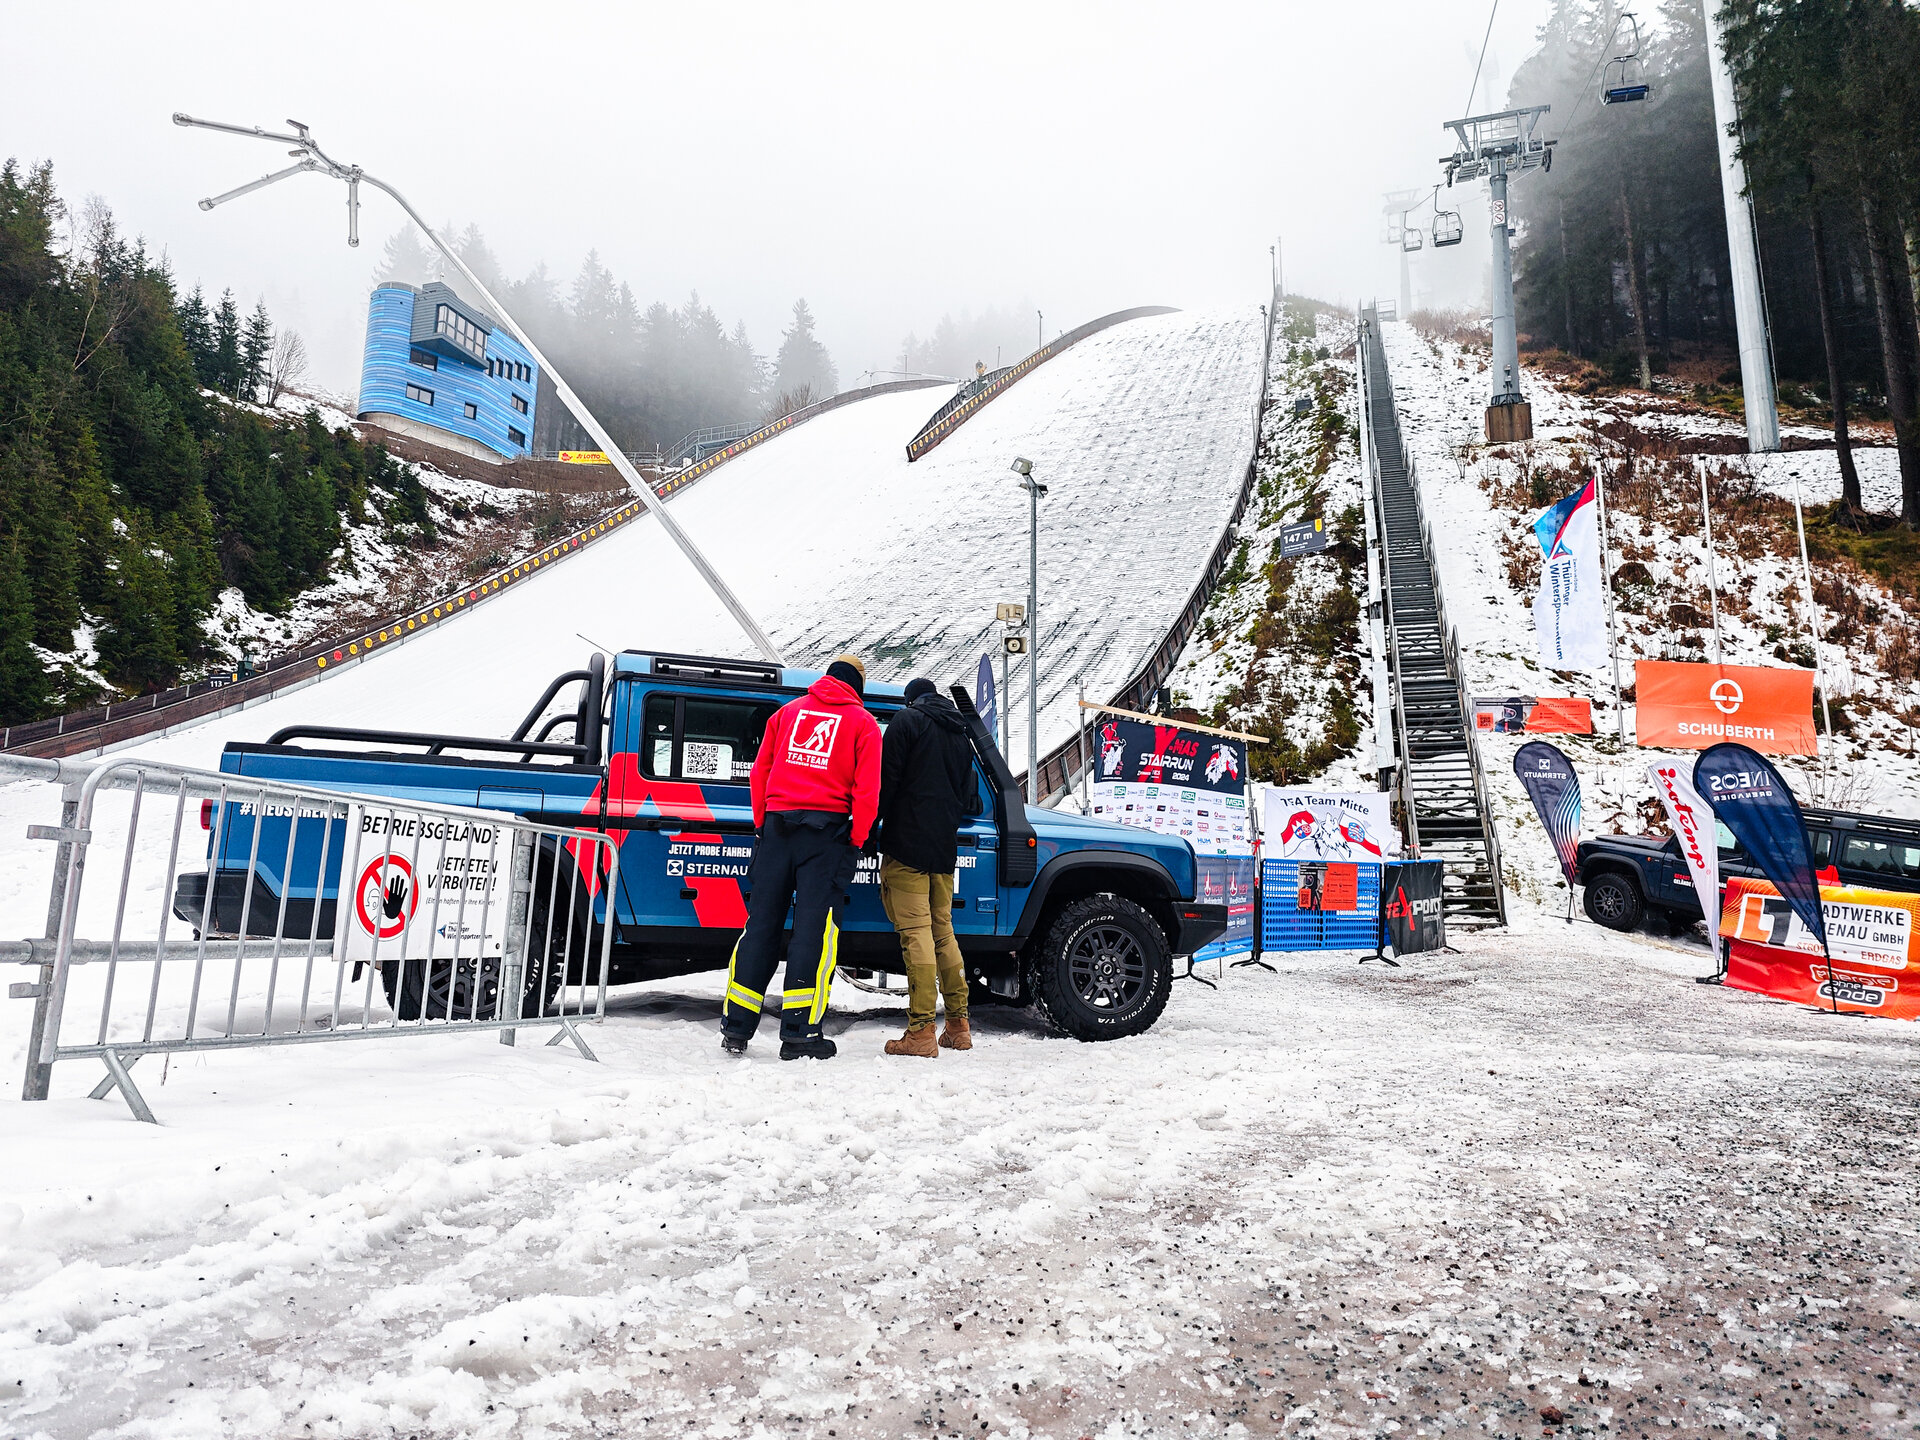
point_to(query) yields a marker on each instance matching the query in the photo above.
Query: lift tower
(1393, 231)
(1500, 146)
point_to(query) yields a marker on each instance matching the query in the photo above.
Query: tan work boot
(957, 1035)
(915, 1042)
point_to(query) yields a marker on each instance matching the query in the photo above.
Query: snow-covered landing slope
(834, 541)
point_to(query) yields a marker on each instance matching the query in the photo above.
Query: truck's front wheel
(1613, 900)
(1103, 969)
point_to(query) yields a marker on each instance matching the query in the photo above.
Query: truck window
(656, 737)
(1723, 838)
(1821, 842)
(719, 738)
(1881, 856)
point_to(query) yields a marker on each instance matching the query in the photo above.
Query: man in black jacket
(927, 788)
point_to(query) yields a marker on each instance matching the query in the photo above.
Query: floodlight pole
(1743, 252)
(312, 158)
(1023, 467)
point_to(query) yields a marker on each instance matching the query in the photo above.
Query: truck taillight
(206, 814)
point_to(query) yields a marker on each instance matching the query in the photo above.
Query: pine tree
(196, 329)
(256, 347)
(227, 373)
(23, 681)
(405, 260)
(803, 360)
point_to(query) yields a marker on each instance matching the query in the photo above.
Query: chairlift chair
(1412, 238)
(1625, 79)
(1446, 228)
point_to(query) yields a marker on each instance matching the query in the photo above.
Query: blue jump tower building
(446, 372)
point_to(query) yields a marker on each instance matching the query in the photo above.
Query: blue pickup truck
(1079, 917)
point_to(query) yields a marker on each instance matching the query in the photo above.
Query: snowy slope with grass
(1480, 501)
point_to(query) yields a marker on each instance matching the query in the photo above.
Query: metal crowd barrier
(457, 913)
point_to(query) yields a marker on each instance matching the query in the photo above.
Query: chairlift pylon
(1625, 79)
(1447, 229)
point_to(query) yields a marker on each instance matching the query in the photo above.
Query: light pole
(309, 157)
(1023, 467)
(1039, 329)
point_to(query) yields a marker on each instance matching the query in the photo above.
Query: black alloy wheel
(1613, 900)
(1103, 970)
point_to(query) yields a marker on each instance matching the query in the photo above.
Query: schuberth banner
(1555, 792)
(1689, 706)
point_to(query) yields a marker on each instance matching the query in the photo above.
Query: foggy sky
(889, 162)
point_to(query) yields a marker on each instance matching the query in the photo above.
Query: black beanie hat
(847, 675)
(917, 688)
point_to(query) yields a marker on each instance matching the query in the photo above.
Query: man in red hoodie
(816, 789)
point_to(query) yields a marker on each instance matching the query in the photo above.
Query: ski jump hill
(1144, 431)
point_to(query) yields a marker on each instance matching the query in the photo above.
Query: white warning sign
(423, 886)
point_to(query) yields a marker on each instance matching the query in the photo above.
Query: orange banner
(1687, 706)
(1870, 936)
(584, 457)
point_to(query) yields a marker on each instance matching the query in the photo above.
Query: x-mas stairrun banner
(1682, 705)
(1132, 751)
(1555, 791)
(1568, 614)
(1870, 938)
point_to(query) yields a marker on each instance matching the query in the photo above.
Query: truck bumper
(1196, 924)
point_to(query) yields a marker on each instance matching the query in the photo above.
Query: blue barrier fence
(1285, 926)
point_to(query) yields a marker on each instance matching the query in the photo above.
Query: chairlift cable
(1474, 88)
(1586, 86)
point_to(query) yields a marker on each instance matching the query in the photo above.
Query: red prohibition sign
(386, 896)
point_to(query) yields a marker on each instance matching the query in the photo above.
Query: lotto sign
(425, 886)
(1870, 935)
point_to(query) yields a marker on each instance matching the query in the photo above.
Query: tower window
(423, 357)
(520, 404)
(420, 393)
(518, 437)
(473, 411)
(461, 331)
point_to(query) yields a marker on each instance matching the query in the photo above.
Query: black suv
(1627, 876)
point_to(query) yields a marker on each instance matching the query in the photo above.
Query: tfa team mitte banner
(1133, 752)
(1301, 824)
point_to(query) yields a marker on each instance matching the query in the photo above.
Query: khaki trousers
(921, 909)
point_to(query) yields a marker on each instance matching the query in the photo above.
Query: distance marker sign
(1309, 537)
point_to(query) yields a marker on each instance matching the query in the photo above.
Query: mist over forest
(655, 373)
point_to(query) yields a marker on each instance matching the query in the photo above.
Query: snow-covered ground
(1545, 1181)
(1548, 1174)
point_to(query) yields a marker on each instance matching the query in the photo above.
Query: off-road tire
(423, 991)
(1614, 900)
(1102, 970)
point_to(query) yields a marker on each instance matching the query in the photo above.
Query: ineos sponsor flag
(1692, 822)
(983, 698)
(1555, 792)
(1750, 798)
(1568, 613)
(423, 886)
(1683, 705)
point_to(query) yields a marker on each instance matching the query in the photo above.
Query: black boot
(734, 1044)
(813, 1047)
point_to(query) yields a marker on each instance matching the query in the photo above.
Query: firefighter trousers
(806, 859)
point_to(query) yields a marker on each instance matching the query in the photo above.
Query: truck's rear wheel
(1613, 900)
(1103, 970)
(445, 989)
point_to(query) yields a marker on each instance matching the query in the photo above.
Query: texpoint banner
(1874, 968)
(1692, 822)
(1682, 705)
(1302, 824)
(1568, 613)
(1548, 777)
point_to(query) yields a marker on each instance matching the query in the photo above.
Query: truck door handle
(687, 892)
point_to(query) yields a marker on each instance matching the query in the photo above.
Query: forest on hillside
(1621, 257)
(134, 485)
